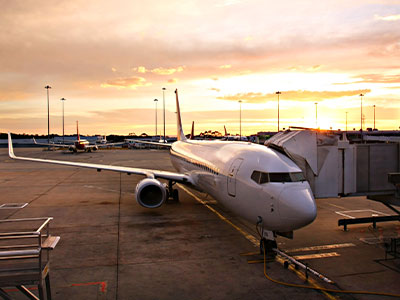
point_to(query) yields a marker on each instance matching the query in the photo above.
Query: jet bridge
(336, 167)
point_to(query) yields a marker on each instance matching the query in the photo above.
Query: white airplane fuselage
(224, 170)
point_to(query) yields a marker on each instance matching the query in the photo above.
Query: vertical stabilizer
(192, 132)
(77, 131)
(226, 134)
(180, 135)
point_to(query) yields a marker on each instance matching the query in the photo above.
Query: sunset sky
(111, 59)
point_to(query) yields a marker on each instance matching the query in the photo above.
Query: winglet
(34, 141)
(10, 147)
(180, 135)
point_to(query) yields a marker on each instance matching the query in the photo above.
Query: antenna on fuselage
(180, 135)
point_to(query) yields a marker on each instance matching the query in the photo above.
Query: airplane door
(232, 176)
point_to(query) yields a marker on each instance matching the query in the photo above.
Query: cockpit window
(280, 177)
(298, 176)
(256, 176)
(263, 177)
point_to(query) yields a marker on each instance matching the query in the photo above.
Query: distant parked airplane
(79, 144)
(257, 183)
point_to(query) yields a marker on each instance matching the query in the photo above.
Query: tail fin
(180, 135)
(226, 134)
(77, 131)
(192, 132)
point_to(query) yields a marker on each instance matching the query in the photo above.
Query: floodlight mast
(47, 87)
(278, 93)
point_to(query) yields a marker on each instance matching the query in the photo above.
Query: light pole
(361, 96)
(374, 117)
(47, 87)
(316, 115)
(163, 95)
(155, 100)
(278, 93)
(63, 99)
(240, 119)
(346, 120)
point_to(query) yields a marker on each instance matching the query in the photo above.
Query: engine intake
(150, 193)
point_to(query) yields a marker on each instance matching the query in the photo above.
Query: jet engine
(150, 193)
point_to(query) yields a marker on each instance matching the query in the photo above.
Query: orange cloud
(299, 95)
(378, 78)
(215, 89)
(129, 82)
(387, 18)
(173, 80)
(159, 71)
(165, 71)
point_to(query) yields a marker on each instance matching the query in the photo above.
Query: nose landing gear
(267, 240)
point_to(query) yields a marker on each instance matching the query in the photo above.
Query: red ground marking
(103, 284)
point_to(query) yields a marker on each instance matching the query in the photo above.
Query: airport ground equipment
(25, 246)
(334, 167)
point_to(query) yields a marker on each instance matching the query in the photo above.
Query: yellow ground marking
(255, 242)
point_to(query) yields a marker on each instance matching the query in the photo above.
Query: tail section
(192, 132)
(180, 135)
(77, 131)
(226, 134)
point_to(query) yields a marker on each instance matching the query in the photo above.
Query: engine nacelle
(151, 193)
(95, 148)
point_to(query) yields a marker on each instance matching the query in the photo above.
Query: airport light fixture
(361, 97)
(155, 100)
(374, 117)
(63, 99)
(240, 118)
(163, 95)
(47, 87)
(316, 115)
(278, 93)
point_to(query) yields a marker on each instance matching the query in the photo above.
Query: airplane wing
(51, 144)
(150, 143)
(178, 177)
(108, 144)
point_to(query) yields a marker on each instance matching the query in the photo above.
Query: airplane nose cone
(297, 206)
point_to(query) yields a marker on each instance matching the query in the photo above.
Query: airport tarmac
(112, 248)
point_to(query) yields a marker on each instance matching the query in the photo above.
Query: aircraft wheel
(175, 195)
(268, 245)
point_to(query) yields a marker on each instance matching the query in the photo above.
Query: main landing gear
(173, 194)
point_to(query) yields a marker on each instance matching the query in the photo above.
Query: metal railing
(25, 246)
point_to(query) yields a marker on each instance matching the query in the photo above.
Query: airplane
(229, 137)
(257, 183)
(79, 144)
